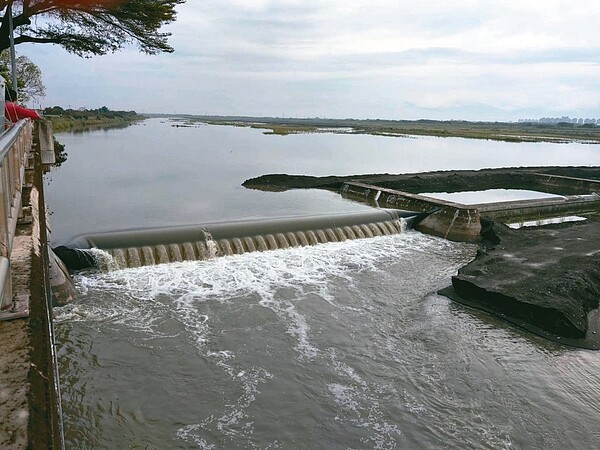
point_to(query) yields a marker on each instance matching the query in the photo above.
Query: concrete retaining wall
(511, 212)
(450, 220)
(567, 185)
(459, 222)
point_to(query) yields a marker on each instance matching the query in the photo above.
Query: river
(342, 345)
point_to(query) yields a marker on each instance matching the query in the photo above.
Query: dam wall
(518, 211)
(567, 185)
(144, 247)
(448, 220)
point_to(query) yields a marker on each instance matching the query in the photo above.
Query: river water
(342, 345)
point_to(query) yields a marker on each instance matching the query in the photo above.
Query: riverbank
(498, 131)
(66, 124)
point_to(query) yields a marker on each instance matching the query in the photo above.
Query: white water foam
(102, 259)
(277, 280)
(360, 406)
(235, 422)
(540, 222)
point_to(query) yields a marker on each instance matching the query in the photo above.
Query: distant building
(563, 119)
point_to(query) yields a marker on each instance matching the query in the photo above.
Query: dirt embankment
(439, 181)
(545, 279)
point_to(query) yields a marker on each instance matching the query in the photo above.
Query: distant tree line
(87, 119)
(102, 112)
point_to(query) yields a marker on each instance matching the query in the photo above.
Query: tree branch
(23, 38)
(41, 7)
(92, 27)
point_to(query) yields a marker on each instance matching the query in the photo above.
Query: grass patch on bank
(497, 131)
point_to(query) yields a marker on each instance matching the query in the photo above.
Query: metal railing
(15, 146)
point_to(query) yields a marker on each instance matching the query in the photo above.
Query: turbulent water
(340, 345)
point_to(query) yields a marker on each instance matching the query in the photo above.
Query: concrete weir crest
(460, 222)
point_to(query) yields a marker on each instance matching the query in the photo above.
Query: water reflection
(489, 196)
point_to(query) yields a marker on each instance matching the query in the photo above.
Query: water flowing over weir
(146, 247)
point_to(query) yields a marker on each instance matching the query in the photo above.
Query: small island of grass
(497, 131)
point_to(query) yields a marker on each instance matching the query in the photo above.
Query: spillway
(145, 247)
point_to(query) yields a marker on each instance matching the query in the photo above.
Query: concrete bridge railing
(15, 146)
(30, 408)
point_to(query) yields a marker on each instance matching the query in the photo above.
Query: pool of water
(489, 196)
(551, 220)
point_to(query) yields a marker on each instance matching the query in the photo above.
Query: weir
(135, 248)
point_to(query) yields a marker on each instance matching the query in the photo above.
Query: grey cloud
(306, 58)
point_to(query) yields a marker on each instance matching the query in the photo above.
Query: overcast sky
(459, 59)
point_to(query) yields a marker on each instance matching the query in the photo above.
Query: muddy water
(341, 345)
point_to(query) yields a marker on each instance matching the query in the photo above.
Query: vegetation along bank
(88, 119)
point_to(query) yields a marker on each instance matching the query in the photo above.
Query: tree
(90, 27)
(29, 77)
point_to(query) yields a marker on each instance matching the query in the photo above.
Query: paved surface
(14, 366)
(15, 358)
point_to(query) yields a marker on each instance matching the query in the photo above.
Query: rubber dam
(144, 247)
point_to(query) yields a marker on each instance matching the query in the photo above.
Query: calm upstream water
(342, 345)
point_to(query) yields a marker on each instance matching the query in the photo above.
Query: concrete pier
(450, 220)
